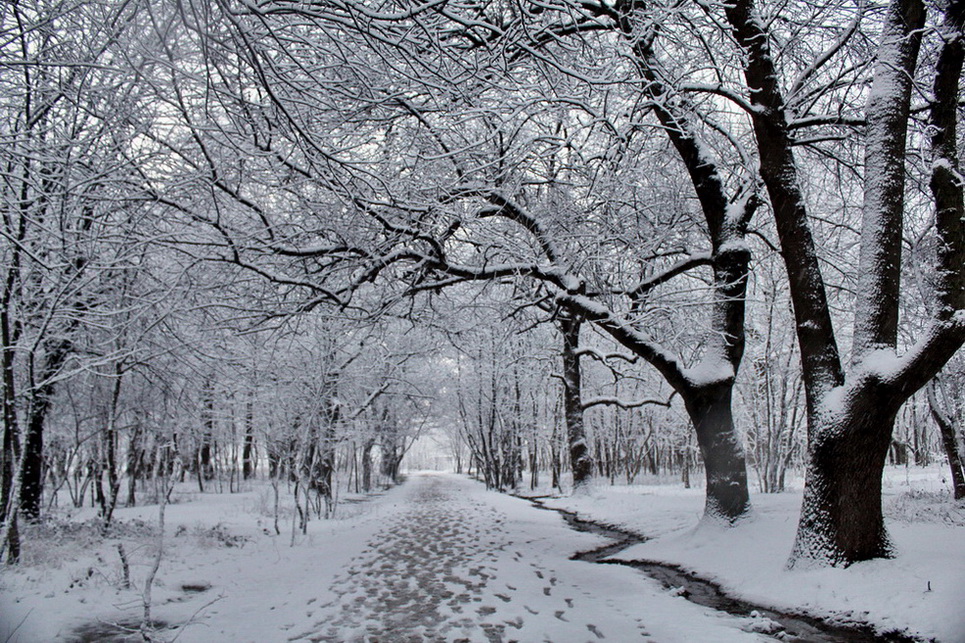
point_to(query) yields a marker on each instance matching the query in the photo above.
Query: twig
(125, 567)
(191, 618)
(19, 625)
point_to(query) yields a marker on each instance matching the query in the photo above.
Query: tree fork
(841, 517)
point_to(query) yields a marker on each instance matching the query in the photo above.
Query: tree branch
(612, 401)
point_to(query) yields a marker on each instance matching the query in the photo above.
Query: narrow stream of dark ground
(784, 626)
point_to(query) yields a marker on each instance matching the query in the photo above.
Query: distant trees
(771, 391)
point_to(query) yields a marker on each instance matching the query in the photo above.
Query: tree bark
(205, 460)
(949, 443)
(367, 464)
(248, 450)
(841, 519)
(721, 450)
(32, 488)
(580, 460)
(135, 464)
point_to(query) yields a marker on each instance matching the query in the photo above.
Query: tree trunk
(949, 443)
(33, 473)
(9, 491)
(580, 460)
(533, 463)
(32, 487)
(135, 464)
(841, 518)
(710, 411)
(110, 448)
(204, 458)
(367, 464)
(248, 451)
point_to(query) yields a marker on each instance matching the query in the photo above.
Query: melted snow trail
(458, 563)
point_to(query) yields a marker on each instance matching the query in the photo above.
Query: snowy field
(499, 565)
(920, 592)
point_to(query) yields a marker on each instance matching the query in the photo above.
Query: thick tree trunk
(841, 519)
(580, 460)
(32, 490)
(9, 491)
(722, 451)
(32, 486)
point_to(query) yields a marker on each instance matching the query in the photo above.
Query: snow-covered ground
(921, 591)
(440, 556)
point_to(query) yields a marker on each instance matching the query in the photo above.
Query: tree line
(625, 235)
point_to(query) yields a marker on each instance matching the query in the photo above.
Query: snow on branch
(820, 61)
(721, 90)
(826, 119)
(510, 209)
(682, 266)
(624, 332)
(613, 401)
(315, 250)
(911, 371)
(603, 357)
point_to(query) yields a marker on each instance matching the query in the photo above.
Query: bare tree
(851, 408)
(65, 107)
(432, 216)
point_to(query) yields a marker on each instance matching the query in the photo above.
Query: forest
(551, 244)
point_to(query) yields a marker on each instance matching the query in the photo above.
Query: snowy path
(457, 563)
(448, 568)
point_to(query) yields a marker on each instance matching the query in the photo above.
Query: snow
(920, 591)
(506, 562)
(882, 363)
(509, 560)
(735, 244)
(712, 369)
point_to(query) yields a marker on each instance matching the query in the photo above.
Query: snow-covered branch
(624, 404)
(624, 332)
(682, 266)
(603, 357)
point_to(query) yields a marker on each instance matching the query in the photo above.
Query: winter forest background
(548, 243)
